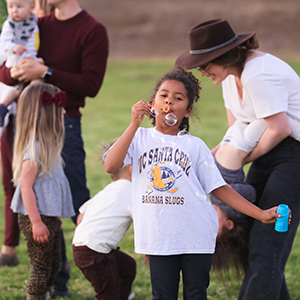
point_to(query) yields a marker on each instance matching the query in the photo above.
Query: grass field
(105, 118)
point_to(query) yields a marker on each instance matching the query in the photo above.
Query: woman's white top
(270, 86)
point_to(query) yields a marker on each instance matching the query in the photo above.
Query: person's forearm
(233, 199)
(230, 197)
(29, 201)
(85, 84)
(116, 155)
(267, 142)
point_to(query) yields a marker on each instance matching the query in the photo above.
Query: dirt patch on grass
(159, 28)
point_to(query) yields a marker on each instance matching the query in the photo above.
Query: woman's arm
(116, 155)
(39, 229)
(278, 129)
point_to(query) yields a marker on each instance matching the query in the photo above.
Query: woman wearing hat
(262, 98)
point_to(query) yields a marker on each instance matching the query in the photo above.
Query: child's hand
(60, 222)
(20, 49)
(79, 218)
(138, 111)
(40, 232)
(270, 215)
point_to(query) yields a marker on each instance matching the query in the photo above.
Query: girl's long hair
(37, 123)
(231, 253)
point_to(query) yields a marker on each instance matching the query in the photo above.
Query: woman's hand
(40, 232)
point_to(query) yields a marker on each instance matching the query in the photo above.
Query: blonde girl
(172, 172)
(42, 193)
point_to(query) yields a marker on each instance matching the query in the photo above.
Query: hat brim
(190, 61)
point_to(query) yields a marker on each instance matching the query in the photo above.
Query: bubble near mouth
(171, 119)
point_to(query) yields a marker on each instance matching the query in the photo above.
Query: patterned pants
(45, 258)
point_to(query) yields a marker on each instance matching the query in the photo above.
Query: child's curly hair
(192, 86)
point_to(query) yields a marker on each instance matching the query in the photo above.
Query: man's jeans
(73, 156)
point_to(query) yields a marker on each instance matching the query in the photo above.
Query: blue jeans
(165, 276)
(276, 178)
(73, 155)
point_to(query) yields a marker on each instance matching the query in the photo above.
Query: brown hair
(46, 7)
(237, 56)
(231, 252)
(192, 87)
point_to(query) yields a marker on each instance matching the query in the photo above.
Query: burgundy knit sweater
(76, 49)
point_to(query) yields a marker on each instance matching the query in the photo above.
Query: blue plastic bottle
(282, 223)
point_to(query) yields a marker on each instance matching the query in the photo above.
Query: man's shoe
(8, 260)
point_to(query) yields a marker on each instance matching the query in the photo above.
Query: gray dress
(52, 191)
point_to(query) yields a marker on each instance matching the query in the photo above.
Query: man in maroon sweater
(74, 47)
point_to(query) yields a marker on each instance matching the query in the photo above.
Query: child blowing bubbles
(172, 173)
(19, 39)
(42, 193)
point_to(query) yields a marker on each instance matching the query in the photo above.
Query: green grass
(104, 118)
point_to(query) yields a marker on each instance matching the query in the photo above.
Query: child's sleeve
(6, 38)
(33, 43)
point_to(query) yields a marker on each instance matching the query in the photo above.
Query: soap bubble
(183, 133)
(153, 112)
(171, 119)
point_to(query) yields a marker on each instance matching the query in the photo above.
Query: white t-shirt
(171, 177)
(107, 216)
(270, 86)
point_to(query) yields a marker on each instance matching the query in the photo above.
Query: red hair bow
(59, 99)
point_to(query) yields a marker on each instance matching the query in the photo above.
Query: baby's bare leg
(230, 157)
(10, 97)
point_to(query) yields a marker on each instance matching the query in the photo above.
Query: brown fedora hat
(208, 41)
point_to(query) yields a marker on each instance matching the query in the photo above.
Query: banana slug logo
(162, 179)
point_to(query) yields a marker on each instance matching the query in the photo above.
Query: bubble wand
(165, 107)
(170, 118)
